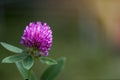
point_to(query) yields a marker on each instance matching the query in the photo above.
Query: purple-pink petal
(38, 36)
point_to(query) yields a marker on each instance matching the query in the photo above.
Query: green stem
(29, 74)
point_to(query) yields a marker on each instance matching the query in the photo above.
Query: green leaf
(52, 71)
(24, 72)
(28, 62)
(14, 58)
(48, 61)
(11, 47)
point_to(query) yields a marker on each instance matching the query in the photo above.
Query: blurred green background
(78, 35)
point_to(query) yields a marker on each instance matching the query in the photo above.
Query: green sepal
(48, 61)
(11, 47)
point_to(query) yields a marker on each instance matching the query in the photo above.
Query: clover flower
(38, 36)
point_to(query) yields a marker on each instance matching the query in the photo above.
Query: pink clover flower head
(38, 36)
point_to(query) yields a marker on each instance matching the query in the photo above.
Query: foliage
(24, 62)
